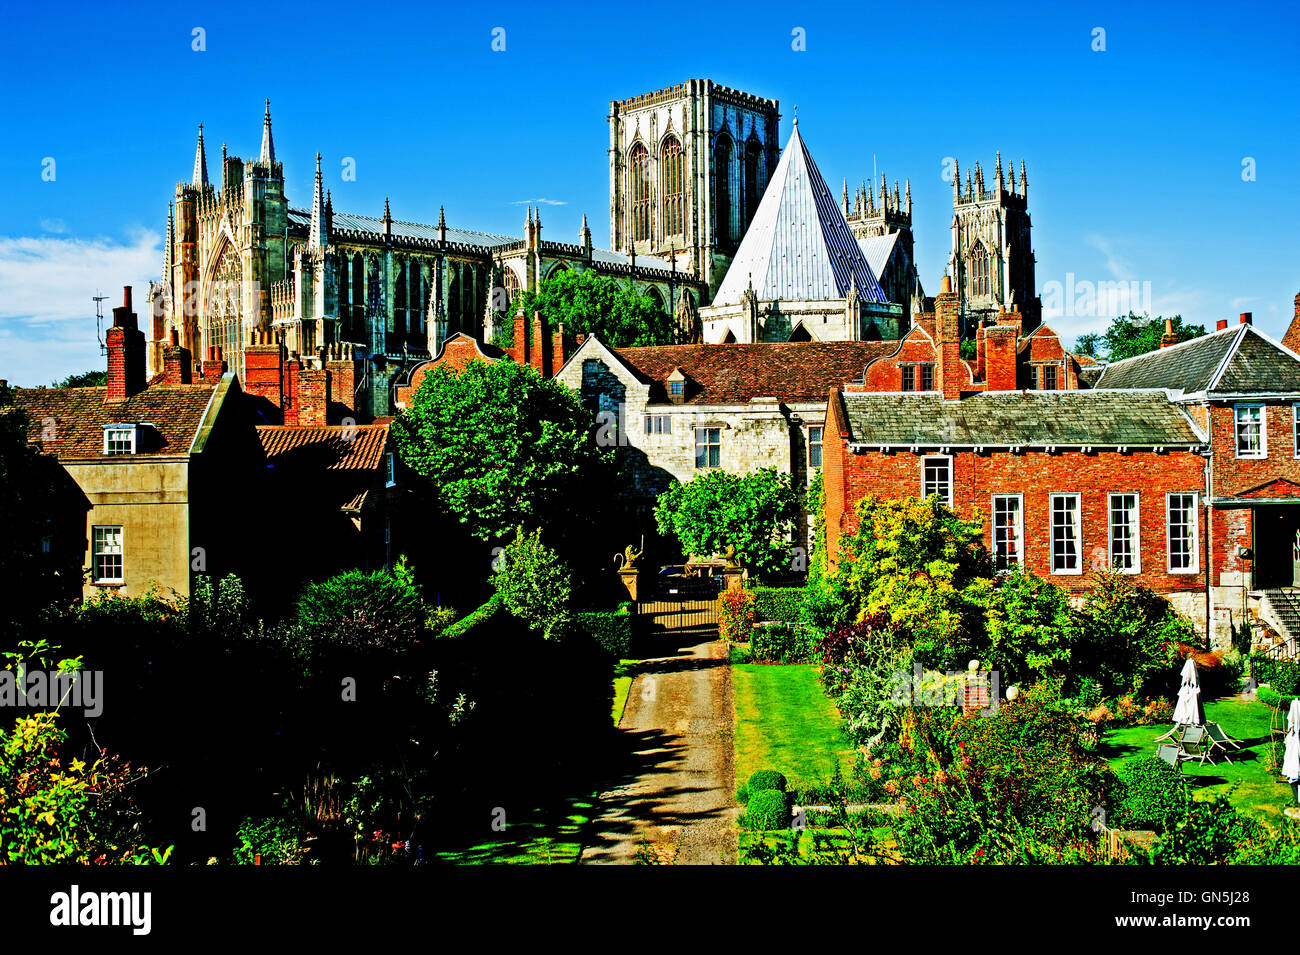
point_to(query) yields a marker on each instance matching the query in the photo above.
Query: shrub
(767, 810)
(765, 779)
(356, 610)
(1030, 625)
(779, 604)
(735, 615)
(277, 839)
(1207, 832)
(534, 584)
(611, 630)
(780, 643)
(1130, 637)
(1152, 794)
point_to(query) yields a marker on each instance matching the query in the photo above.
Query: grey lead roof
(301, 218)
(878, 249)
(798, 248)
(1235, 360)
(1011, 418)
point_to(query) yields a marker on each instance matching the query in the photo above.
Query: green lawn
(785, 722)
(624, 674)
(551, 836)
(1246, 780)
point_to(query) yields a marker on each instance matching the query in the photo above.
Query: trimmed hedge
(766, 779)
(779, 604)
(780, 643)
(1282, 675)
(475, 619)
(767, 810)
(1152, 793)
(1270, 697)
(611, 630)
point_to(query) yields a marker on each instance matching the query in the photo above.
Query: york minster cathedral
(734, 234)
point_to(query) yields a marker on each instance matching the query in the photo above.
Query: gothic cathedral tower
(687, 167)
(992, 260)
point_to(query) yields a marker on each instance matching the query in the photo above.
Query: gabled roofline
(216, 401)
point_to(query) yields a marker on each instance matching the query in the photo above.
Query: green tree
(589, 303)
(918, 562)
(1131, 334)
(87, 379)
(534, 584)
(755, 513)
(501, 447)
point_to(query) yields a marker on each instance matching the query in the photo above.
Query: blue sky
(1135, 153)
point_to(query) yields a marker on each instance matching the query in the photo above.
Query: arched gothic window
(639, 164)
(753, 190)
(674, 173)
(722, 189)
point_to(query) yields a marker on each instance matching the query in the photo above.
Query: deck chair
(1195, 743)
(1220, 737)
(1169, 752)
(1178, 728)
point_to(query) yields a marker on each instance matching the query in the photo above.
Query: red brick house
(1181, 466)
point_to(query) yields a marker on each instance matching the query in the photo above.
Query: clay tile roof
(326, 447)
(728, 374)
(1065, 418)
(79, 414)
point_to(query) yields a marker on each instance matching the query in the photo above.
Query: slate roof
(176, 413)
(729, 374)
(1237, 359)
(1034, 418)
(798, 247)
(878, 249)
(325, 447)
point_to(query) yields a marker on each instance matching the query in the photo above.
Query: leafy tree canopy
(1131, 334)
(87, 379)
(589, 303)
(754, 512)
(534, 584)
(502, 447)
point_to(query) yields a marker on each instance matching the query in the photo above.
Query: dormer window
(676, 386)
(120, 438)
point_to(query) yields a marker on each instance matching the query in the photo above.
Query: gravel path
(678, 785)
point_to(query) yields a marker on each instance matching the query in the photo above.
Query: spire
(1024, 183)
(388, 218)
(584, 236)
(844, 198)
(319, 235)
(898, 204)
(200, 162)
(329, 214)
(956, 180)
(171, 245)
(267, 157)
(884, 194)
(442, 225)
(907, 196)
(997, 172)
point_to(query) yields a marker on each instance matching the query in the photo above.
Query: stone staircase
(1280, 610)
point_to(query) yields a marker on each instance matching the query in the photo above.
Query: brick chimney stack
(313, 395)
(1221, 324)
(264, 372)
(519, 350)
(1000, 358)
(539, 357)
(177, 365)
(125, 343)
(1168, 338)
(214, 367)
(557, 349)
(951, 371)
(1246, 318)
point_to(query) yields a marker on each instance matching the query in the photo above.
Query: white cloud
(47, 316)
(541, 202)
(1118, 266)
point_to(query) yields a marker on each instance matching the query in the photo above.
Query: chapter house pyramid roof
(798, 247)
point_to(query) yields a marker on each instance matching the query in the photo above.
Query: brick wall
(1036, 475)
(1233, 476)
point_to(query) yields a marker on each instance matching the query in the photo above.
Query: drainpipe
(1209, 530)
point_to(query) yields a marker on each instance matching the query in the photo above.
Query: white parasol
(1291, 755)
(1187, 709)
